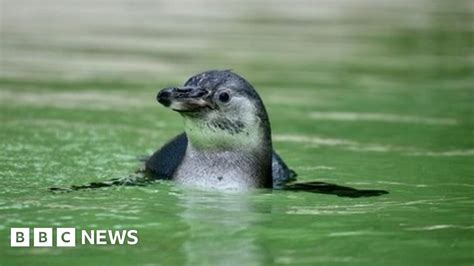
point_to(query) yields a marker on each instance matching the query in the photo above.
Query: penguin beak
(184, 99)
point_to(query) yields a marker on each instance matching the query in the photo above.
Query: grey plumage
(163, 163)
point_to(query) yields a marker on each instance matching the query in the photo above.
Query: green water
(366, 94)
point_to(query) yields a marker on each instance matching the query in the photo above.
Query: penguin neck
(228, 135)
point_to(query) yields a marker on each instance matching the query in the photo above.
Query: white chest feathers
(228, 170)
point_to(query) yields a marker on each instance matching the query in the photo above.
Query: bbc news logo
(66, 237)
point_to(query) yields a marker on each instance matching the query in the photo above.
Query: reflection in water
(221, 228)
(313, 186)
(333, 189)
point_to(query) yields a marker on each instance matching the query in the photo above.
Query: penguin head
(218, 105)
(211, 91)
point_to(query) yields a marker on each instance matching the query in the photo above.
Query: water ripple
(439, 227)
(381, 117)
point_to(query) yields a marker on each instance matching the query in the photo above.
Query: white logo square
(20, 237)
(43, 237)
(66, 237)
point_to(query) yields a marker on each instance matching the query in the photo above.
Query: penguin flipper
(281, 174)
(163, 163)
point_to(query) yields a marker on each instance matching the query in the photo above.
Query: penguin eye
(224, 97)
